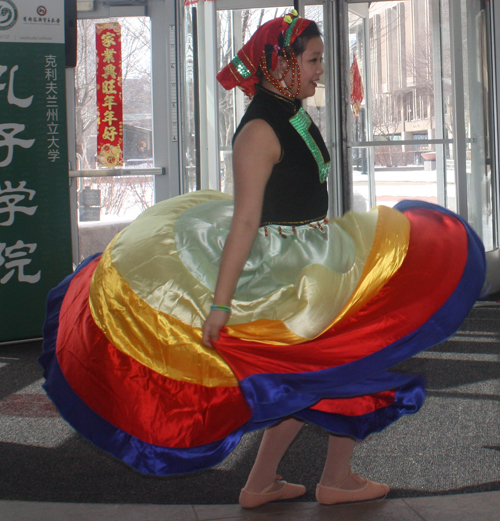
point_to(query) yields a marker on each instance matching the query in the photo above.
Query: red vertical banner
(109, 95)
(357, 91)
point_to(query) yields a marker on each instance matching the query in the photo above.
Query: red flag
(357, 91)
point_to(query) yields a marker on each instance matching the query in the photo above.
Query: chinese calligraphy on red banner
(109, 95)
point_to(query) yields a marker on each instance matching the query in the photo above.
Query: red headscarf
(241, 71)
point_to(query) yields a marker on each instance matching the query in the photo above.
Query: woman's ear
(282, 65)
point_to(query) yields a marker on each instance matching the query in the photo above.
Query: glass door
(114, 167)
(213, 33)
(234, 29)
(109, 196)
(419, 124)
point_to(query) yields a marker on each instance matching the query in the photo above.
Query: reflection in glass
(476, 108)
(189, 95)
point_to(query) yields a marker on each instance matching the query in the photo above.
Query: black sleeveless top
(296, 192)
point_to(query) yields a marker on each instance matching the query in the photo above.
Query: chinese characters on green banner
(35, 240)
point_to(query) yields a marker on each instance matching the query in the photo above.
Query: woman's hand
(256, 150)
(215, 321)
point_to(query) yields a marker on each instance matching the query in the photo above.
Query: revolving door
(407, 104)
(422, 122)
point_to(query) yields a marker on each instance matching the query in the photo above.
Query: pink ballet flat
(369, 492)
(286, 491)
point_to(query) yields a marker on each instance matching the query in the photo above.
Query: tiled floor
(484, 506)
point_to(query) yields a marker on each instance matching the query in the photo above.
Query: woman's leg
(338, 460)
(262, 485)
(338, 484)
(275, 442)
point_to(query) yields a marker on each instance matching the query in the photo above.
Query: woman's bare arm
(255, 151)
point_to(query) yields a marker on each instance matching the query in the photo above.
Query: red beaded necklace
(291, 61)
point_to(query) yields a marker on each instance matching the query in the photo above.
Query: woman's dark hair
(299, 45)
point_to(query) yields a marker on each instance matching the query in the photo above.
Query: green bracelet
(216, 307)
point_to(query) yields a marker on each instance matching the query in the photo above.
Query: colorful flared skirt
(322, 311)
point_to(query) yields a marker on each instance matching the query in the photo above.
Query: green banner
(35, 234)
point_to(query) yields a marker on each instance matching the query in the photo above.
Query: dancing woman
(209, 317)
(275, 185)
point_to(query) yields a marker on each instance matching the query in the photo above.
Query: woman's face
(311, 68)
